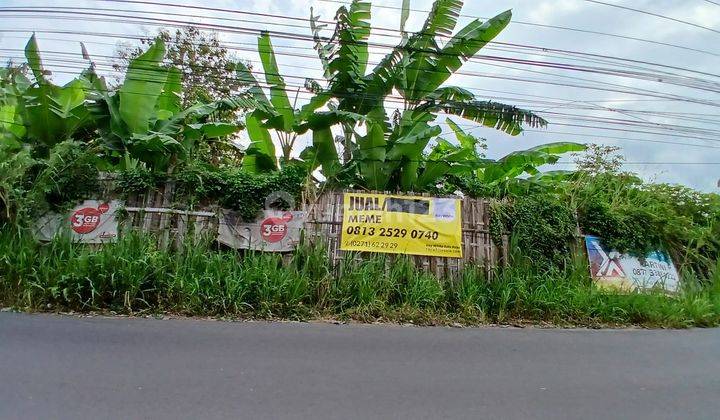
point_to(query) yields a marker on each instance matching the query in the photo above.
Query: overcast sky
(654, 131)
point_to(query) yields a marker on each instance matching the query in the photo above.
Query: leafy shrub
(69, 174)
(230, 187)
(32, 185)
(137, 181)
(542, 227)
(247, 193)
(14, 167)
(627, 229)
(635, 217)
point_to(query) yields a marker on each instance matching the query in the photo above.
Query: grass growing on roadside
(135, 276)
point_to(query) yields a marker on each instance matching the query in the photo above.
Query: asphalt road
(54, 367)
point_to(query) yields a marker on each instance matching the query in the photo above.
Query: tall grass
(135, 276)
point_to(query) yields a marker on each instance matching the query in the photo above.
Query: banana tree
(283, 118)
(518, 172)
(144, 119)
(515, 172)
(390, 154)
(38, 111)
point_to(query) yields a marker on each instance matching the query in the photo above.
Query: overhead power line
(520, 22)
(556, 105)
(622, 88)
(657, 15)
(395, 32)
(279, 46)
(694, 117)
(664, 77)
(477, 76)
(674, 131)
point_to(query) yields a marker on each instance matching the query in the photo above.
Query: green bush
(33, 185)
(542, 227)
(236, 189)
(635, 217)
(137, 181)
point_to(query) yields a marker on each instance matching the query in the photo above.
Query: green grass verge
(135, 276)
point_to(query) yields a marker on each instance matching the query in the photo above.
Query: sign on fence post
(92, 222)
(612, 269)
(396, 224)
(274, 231)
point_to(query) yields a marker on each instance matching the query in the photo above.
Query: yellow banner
(402, 225)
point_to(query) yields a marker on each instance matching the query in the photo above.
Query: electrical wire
(624, 89)
(148, 2)
(554, 104)
(657, 15)
(571, 117)
(395, 32)
(665, 77)
(540, 25)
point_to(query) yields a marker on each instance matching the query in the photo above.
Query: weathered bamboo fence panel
(158, 212)
(154, 212)
(324, 227)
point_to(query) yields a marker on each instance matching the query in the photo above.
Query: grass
(135, 276)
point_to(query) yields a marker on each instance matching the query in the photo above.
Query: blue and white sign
(613, 269)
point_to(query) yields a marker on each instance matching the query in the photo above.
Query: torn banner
(92, 222)
(274, 231)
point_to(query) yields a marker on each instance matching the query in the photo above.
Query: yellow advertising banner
(402, 225)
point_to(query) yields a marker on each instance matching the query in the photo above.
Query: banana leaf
(144, 82)
(11, 126)
(348, 60)
(325, 152)
(278, 94)
(526, 161)
(260, 154)
(507, 118)
(371, 155)
(461, 47)
(169, 103)
(423, 49)
(52, 113)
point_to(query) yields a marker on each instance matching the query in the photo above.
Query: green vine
(231, 188)
(54, 183)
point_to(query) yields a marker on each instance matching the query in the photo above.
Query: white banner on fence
(92, 222)
(612, 269)
(275, 231)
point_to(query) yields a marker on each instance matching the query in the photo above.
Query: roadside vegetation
(134, 276)
(378, 128)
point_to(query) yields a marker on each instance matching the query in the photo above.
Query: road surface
(55, 367)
